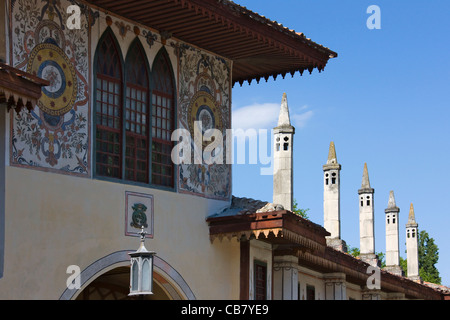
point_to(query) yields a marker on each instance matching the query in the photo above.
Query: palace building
(91, 93)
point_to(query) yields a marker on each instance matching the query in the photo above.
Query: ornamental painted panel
(55, 134)
(138, 213)
(204, 102)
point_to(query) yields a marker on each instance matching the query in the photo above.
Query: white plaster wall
(53, 221)
(309, 277)
(353, 292)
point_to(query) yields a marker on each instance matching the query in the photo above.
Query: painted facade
(204, 98)
(54, 146)
(57, 134)
(91, 164)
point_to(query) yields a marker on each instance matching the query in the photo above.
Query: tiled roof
(438, 287)
(276, 25)
(242, 206)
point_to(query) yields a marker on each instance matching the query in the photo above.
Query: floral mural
(204, 97)
(55, 134)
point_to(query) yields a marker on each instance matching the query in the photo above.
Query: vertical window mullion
(163, 113)
(123, 131)
(137, 131)
(108, 83)
(260, 280)
(150, 134)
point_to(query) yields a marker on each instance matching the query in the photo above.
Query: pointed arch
(137, 77)
(137, 66)
(163, 74)
(134, 114)
(108, 74)
(163, 119)
(108, 44)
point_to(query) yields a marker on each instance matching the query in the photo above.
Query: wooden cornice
(18, 88)
(258, 47)
(276, 227)
(290, 234)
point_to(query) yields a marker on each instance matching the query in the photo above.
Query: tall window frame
(163, 120)
(137, 147)
(136, 120)
(108, 64)
(260, 280)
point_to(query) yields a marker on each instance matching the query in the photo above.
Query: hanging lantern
(141, 273)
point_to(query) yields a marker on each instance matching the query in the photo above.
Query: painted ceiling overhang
(19, 89)
(282, 228)
(259, 48)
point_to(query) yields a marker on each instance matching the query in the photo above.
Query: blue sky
(384, 101)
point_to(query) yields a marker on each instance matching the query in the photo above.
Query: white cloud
(300, 120)
(265, 116)
(256, 116)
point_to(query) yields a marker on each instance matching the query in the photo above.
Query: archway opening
(115, 285)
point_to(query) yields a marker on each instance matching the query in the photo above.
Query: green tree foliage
(381, 258)
(404, 266)
(428, 257)
(299, 211)
(355, 252)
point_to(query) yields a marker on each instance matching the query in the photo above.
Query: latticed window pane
(260, 281)
(136, 126)
(126, 119)
(108, 110)
(162, 123)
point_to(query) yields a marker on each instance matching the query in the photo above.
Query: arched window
(108, 108)
(136, 115)
(163, 120)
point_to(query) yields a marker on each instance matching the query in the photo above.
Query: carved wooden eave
(356, 272)
(412, 289)
(258, 47)
(247, 235)
(284, 229)
(18, 88)
(289, 234)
